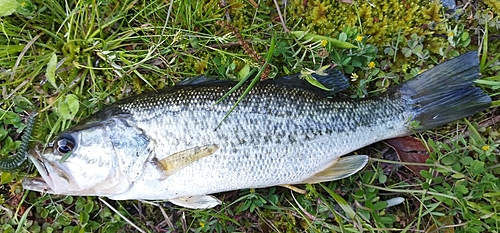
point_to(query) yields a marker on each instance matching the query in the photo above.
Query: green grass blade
(254, 81)
(238, 85)
(341, 201)
(314, 38)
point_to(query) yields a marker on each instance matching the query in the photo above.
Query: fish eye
(65, 144)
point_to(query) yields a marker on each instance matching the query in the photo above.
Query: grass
(69, 59)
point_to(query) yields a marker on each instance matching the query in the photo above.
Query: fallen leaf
(15, 200)
(410, 150)
(447, 226)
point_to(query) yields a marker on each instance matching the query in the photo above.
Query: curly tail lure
(12, 162)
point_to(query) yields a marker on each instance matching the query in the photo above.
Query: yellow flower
(202, 224)
(324, 43)
(23, 4)
(450, 34)
(486, 148)
(359, 38)
(371, 65)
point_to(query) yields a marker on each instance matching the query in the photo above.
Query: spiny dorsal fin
(326, 81)
(339, 169)
(203, 80)
(182, 159)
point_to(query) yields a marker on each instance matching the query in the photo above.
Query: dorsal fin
(202, 79)
(326, 81)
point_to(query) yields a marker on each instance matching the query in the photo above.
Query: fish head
(80, 162)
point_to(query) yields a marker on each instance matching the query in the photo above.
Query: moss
(319, 13)
(241, 13)
(493, 5)
(378, 20)
(200, 66)
(381, 20)
(436, 43)
(433, 12)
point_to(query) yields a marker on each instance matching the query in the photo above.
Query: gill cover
(96, 158)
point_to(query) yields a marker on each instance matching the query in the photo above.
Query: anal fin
(339, 169)
(197, 202)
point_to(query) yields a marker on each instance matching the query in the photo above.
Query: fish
(174, 145)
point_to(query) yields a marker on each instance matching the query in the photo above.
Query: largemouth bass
(171, 144)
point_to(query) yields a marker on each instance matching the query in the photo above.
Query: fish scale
(257, 136)
(175, 144)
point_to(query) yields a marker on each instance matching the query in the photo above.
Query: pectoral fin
(197, 202)
(341, 168)
(182, 159)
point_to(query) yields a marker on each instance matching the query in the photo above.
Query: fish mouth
(42, 183)
(37, 184)
(45, 182)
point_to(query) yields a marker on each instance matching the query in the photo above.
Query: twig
(485, 123)
(281, 17)
(369, 3)
(21, 55)
(308, 215)
(121, 216)
(5, 209)
(251, 52)
(183, 222)
(254, 4)
(448, 226)
(467, 4)
(18, 61)
(413, 191)
(223, 4)
(18, 87)
(216, 46)
(167, 219)
(166, 20)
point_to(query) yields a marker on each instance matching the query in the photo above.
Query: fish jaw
(37, 184)
(46, 182)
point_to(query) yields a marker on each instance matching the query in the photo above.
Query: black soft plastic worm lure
(12, 162)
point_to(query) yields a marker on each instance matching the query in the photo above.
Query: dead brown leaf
(447, 227)
(410, 150)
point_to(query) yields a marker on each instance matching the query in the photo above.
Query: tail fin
(446, 93)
